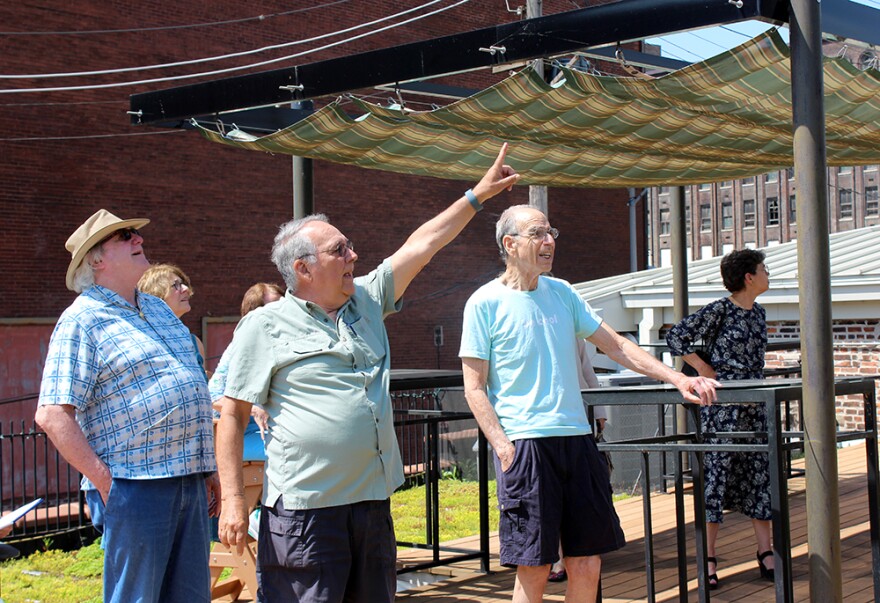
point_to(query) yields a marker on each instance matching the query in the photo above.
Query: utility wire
(666, 41)
(32, 76)
(714, 43)
(232, 69)
(169, 27)
(85, 136)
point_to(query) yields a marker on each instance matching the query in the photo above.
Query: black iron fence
(438, 438)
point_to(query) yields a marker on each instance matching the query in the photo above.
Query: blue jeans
(156, 541)
(96, 510)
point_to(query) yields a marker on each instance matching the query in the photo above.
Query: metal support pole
(823, 506)
(303, 192)
(678, 242)
(537, 194)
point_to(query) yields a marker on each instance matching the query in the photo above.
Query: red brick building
(215, 210)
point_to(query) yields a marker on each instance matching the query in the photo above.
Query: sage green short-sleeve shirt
(325, 385)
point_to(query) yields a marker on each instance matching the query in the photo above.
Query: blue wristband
(472, 199)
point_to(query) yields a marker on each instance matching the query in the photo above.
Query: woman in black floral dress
(737, 325)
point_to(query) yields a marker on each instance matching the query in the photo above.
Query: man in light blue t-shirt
(521, 382)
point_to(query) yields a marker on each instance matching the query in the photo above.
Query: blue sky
(693, 46)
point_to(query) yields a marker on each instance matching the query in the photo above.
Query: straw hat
(101, 224)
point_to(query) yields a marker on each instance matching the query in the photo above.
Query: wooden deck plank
(623, 573)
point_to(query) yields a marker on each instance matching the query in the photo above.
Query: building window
(750, 181)
(726, 215)
(727, 184)
(772, 211)
(749, 213)
(789, 172)
(705, 187)
(687, 212)
(845, 204)
(844, 170)
(664, 221)
(872, 201)
(792, 208)
(705, 217)
(771, 177)
(870, 168)
(664, 190)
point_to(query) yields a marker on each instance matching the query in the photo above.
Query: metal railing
(432, 441)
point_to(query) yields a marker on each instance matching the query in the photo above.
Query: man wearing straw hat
(125, 402)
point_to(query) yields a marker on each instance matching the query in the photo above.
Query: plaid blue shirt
(134, 379)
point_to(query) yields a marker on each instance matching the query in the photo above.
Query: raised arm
(699, 390)
(439, 231)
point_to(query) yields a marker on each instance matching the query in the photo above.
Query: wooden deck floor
(623, 572)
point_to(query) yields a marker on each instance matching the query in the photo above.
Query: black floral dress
(738, 481)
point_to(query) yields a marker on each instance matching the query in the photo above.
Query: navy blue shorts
(331, 555)
(555, 488)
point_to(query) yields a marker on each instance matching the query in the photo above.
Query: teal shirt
(528, 340)
(325, 385)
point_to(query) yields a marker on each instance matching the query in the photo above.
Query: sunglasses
(124, 234)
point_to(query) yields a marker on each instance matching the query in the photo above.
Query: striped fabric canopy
(723, 119)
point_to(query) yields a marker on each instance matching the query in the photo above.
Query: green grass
(55, 576)
(459, 511)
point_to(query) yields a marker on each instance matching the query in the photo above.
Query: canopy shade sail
(726, 118)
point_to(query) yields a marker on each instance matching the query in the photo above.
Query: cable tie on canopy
(736, 3)
(292, 87)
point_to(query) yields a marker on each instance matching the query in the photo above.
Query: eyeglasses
(179, 285)
(539, 234)
(124, 234)
(341, 249)
(766, 271)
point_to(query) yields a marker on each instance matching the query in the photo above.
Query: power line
(665, 41)
(739, 33)
(232, 69)
(86, 136)
(65, 103)
(714, 43)
(215, 58)
(169, 27)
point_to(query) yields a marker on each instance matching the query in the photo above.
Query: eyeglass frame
(178, 284)
(553, 232)
(339, 250)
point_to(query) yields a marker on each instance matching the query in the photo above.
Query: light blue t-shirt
(528, 338)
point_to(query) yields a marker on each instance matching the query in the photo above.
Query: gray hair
(291, 245)
(84, 276)
(506, 225)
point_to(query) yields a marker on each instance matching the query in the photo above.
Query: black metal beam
(851, 20)
(523, 40)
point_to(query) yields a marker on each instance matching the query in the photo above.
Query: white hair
(291, 245)
(84, 276)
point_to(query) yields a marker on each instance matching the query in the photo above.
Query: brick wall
(856, 354)
(215, 210)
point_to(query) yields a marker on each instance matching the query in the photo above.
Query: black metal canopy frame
(552, 35)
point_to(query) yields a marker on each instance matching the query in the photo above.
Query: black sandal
(766, 572)
(712, 578)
